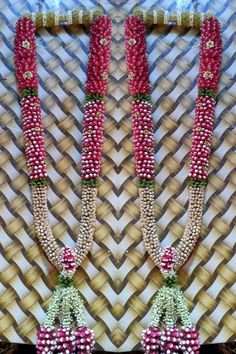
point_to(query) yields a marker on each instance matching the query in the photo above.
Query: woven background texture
(118, 280)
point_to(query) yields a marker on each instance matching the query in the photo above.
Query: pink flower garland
(143, 139)
(138, 77)
(167, 259)
(98, 68)
(136, 56)
(202, 137)
(64, 339)
(92, 139)
(34, 137)
(25, 54)
(96, 87)
(99, 60)
(210, 64)
(137, 66)
(210, 54)
(171, 340)
(26, 71)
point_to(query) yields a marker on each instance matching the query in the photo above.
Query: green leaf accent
(64, 282)
(90, 182)
(171, 282)
(66, 308)
(169, 306)
(143, 183)
(196, 182)
(207, 92)
(93, 97)
(142, 97)
(29, 92)
(38, 182)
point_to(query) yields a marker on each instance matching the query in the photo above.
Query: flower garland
(169, 306)
(64, 330)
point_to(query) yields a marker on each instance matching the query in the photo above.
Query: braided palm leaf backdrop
(118, 280)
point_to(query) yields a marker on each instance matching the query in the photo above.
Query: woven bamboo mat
(118, 281)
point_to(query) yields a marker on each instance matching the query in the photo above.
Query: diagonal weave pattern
(118, 281)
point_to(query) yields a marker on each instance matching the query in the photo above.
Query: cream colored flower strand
(191, 232)
(44, 232)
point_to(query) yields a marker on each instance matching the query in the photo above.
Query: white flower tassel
(64, 329)
(169, 308)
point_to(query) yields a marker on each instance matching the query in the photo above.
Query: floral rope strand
(169, 306)
(64, 329)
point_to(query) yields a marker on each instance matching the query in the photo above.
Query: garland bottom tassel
(169, 307)
(64, 331)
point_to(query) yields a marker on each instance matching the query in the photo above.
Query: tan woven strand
(50, 19)
(157, 16)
